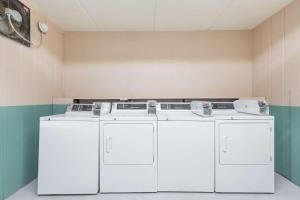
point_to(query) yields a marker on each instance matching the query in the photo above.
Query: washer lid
(129, 117)
(242, 116)
(181, 116)
(63, 117)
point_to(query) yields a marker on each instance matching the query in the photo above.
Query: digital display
(132, 106)
(86, 108)
(222, 106)
(175, 106)
(82, 107)
(75, 107)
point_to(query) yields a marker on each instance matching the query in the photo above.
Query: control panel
(202, 108)
(175, 106)
(222, 106)
(254, 107)
(131, 106)
(95, 109)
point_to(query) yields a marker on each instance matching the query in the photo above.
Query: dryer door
(245, 142)
(128, 143)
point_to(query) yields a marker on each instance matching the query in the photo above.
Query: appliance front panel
(128, 143)
(245, 143)
(68, 157)
(186, 156)
(128, 156)
(244, 159)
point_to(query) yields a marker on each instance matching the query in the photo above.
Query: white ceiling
(157, 15)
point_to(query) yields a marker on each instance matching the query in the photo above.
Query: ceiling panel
(188, 14)
(118, 15)
(157, 15)
(67, 14)
(245, 14)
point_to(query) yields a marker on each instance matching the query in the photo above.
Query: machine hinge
(271, 129)
(271, 158)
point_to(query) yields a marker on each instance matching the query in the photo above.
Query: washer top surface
(241, 116)
(129, 117)
(182, 116)
(177, 111)
(64, 117)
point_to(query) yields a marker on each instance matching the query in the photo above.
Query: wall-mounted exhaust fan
(15, 22)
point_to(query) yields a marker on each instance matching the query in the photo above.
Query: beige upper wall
(276, 69)
(158, 64)
(31, 75)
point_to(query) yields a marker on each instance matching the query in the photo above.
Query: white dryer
(128, 149)
(244, 146)
(69, 151)
(185, 149)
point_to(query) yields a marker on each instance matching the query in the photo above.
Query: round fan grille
(23, 28)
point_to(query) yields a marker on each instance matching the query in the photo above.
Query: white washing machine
(244, 146)
(128, 149)
(185, 149)
(69, 151)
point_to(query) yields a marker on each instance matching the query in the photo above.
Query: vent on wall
(14, 19)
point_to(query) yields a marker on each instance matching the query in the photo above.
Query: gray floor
(285, 190)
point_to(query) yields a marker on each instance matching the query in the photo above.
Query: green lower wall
(59, 109)
(282, 139)
(1, 158)
(287, 141)
(19, 136)
(295, 144)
